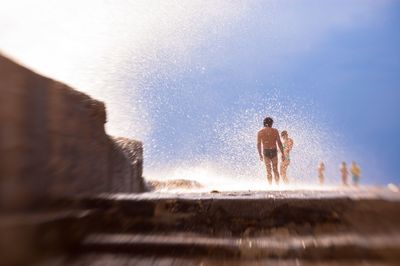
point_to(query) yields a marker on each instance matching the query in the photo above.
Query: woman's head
(284, 134)
(268, 122)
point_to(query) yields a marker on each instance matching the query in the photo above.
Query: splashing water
(231, 162)
(152, 62)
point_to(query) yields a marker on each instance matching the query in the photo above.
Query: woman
(287, 147)
(355, 172)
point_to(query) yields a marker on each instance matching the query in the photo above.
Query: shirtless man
(344, 173)
(268, 137)
(287, 147)
(321, 173)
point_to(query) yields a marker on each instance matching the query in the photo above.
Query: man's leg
(344, 177)
(267, 162)
(275, 167)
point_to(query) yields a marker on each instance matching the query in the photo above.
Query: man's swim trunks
(270, 153)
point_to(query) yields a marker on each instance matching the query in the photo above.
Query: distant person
(355, 172)
(344, 173)
(267, 139)
(321, 173)
(287, 147)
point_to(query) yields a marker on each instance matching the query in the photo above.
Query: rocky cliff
(53, 143)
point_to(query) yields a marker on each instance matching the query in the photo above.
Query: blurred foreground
(304, 227)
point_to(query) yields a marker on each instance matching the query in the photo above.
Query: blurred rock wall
(126, 161)
(53, 143)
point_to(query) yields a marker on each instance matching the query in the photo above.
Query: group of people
(268, 142)
(355, 171)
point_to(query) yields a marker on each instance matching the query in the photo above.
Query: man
(355, 172)
(344, 173)
(267, 138)
(287, 147)
(321, 173)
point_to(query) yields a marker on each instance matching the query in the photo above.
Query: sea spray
(231, 158)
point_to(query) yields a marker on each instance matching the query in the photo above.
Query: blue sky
(194, 79)
(358, 85)
(348, 75)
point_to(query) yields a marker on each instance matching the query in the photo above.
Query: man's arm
(279, 141)
(259, 146)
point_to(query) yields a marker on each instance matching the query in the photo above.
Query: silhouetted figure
(344, 173)
(321, 173)
(267, 139)
(287, 147)
(355, 172)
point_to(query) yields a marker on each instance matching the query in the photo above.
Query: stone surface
(126, 160)
(268, 213)
(126, 259)
(331, 227)
(28, 237)
(53, 143)
(173, 184)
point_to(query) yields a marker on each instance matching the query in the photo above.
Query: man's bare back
(268, 137)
